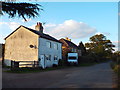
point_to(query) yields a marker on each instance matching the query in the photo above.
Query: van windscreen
(72, 58)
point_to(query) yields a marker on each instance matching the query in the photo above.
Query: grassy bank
(116, 68)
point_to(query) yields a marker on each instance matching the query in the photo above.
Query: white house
(25, 44)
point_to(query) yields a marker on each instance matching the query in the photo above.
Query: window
(55, 58)
(56, 46)
(75, 50)
(48, 57)
(48, 44)
(72, 58)
(72, 50)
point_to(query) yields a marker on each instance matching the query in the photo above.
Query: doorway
(42, 57)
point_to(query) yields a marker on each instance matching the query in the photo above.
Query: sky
(76, 20)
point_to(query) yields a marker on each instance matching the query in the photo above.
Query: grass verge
(116, 68)
(31, 70)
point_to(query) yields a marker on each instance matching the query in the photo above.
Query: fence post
(37, 63)
(11, 65)
(34, 64)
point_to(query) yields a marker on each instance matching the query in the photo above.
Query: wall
(0, 52)
(17, 46)
(44, 50)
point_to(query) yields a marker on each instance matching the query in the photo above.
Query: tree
(100, 46)
(20, 9)
(116, 57)
(82, 47)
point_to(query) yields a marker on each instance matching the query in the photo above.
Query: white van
(73, 58)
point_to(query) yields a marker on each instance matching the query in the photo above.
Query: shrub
(55, 65)
(87, 59)
(61, 62)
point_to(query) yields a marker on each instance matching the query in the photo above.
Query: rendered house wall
(17, 46)
(44, 50)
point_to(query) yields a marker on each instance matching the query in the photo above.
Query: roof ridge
(70, 42)
(43, 35)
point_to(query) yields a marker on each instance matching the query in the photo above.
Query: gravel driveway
(97, 76)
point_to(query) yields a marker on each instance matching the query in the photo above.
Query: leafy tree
(23, 10)
(100, 46)
(116, 57)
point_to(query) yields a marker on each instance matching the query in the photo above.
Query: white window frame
(56, 46)
(75, 50)
(48, 44)
(55, 58)
(48, 57)
(72, 50)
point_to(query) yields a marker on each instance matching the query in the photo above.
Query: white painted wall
(44, 50)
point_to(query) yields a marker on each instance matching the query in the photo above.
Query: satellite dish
(31, 46)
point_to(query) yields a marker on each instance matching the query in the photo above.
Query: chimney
(39, 27)
(68, 39)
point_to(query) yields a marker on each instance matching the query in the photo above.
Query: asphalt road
(0, 75)
(97, 76)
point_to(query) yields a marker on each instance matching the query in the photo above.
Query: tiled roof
(42, 35)
(70, 44)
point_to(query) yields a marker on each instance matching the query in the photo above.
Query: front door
(42, 57)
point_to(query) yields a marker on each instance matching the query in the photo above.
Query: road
(96, 76)
(0, 75)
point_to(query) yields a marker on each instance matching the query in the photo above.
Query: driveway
(97, 76)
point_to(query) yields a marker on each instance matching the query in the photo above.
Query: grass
(116, 68)
(32, 70)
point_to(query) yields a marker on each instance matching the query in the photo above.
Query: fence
(17, 64)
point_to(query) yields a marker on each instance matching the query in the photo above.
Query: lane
(0, 75)
(97, 76)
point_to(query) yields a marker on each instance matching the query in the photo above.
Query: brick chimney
(39, 27)
(67, 39)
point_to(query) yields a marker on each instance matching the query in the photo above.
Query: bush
(55, 65)
(61, 62)
(87, 59)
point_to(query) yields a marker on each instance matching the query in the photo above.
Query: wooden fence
(17, 64)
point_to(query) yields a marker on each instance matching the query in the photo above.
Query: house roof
(42, 35)
(69, 43)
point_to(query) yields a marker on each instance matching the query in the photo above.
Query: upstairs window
(72, 49)
(75, 50)
(56, 46)
(48, 44)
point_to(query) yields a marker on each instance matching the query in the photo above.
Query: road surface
(96, 76)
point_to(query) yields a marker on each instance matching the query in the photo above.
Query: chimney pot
(39, 27)
(68, 39)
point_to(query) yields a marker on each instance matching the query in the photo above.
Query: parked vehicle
(72, 58)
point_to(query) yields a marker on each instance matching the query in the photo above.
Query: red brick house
(68, 46)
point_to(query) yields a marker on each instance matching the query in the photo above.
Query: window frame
(55, 58)
(48, 44)
(55, 46)
(48, 57)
